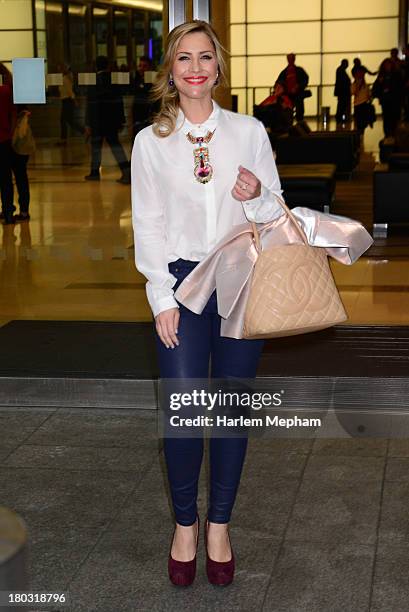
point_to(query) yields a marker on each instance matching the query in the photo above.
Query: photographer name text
(241, 421)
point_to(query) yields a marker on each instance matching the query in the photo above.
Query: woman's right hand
(167, 323)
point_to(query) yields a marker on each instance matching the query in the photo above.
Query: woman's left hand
(247, 186)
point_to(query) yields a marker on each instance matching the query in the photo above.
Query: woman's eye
(203, 57)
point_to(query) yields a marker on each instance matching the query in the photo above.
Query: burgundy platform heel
(220, 573)
(182, 573)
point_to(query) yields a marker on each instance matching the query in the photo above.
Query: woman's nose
(195, 64)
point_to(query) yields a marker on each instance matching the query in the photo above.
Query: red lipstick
(196, 80)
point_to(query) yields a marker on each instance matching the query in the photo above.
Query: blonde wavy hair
(164, 121)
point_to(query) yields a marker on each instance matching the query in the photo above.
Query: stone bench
(336, 147)
(310, 185)
(390, 198)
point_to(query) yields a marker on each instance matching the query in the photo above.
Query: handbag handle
(290, 215)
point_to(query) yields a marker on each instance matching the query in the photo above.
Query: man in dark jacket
(294, 79)
(342, 91)
(104, 119)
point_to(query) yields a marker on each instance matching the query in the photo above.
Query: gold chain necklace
(203, 171)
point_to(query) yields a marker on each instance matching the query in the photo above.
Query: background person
(362, 96)
(294, 79)
(180, 209)
(142, 107)
(7, 122)
(22, 147)
(405, 76)
(105, 117)
(276, 111)
(68, 105)
(11, 162)
(394, 58)
(358, 66)
(342, 91)
(389, 88)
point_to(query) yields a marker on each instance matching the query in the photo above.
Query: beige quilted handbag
(292, 290)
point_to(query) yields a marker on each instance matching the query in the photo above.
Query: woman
(68, 105)
(362, 96)
(198, 171)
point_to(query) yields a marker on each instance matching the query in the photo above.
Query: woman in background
(362, 106)
(68, 105)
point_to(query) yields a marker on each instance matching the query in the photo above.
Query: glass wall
(121, 38)
(100, 30)
(139, 27)
(77, 36)
(55, 36)
(75, 32)
(155, 37)
(320, 32)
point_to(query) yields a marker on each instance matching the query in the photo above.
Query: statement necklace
(203, 171)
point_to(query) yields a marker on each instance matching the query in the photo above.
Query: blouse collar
(186, 126)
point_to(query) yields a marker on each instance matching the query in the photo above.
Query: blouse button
(176, 269)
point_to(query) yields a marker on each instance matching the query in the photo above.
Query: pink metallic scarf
(229, 266)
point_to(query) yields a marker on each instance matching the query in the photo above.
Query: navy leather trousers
(200, 343)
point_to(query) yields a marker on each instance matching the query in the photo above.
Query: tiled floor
(318, 526)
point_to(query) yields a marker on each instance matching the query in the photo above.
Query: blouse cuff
(264, 208)
(158, 305)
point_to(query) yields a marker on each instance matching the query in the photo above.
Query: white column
(201, 10)
(176, 13)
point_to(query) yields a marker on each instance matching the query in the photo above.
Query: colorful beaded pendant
(203, 170)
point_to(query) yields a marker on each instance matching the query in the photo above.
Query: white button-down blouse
(173, 215)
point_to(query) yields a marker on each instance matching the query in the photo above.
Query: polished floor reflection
(74, 259)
